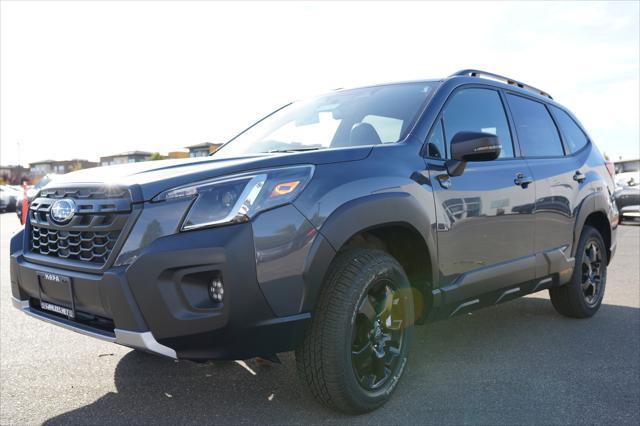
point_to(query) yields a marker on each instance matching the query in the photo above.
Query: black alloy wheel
(591, 272)
(378, 336)
(582, 296)
(357, 346)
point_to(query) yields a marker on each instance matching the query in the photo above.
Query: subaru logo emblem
(63, 210)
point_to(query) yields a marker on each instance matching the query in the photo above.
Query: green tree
(156, 156)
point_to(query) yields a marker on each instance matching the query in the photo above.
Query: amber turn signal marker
(284, 188)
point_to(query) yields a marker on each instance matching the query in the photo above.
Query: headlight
(237, 198)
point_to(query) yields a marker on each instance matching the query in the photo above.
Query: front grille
(91, 234)
(88, 246)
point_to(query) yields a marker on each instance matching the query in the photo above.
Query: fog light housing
(216, 290)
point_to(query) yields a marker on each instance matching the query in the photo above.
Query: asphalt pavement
(517, 363)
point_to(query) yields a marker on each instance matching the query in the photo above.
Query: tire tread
(317, 358)
(566, 299)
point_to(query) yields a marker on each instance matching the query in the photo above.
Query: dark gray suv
(330, 227)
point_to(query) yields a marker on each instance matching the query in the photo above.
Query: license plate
(57, 309)
(56, 294)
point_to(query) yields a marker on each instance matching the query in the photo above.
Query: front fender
(358, 215)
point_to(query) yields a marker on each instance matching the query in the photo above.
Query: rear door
(558, 176)
(485, 224)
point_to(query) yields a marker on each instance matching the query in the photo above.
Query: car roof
(479, 77)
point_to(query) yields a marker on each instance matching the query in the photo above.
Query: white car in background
(628, 179)
(8, 197)
(627, 172)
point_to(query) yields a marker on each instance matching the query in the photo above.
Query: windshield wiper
(293, 150)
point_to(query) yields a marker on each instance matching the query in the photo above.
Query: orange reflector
(284, 188)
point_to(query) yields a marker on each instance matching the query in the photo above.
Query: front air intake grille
(91, 235)
(76, 245)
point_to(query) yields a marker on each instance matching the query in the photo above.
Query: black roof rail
(510, 81)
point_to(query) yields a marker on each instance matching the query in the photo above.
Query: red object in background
(611, 168)
(25, 204)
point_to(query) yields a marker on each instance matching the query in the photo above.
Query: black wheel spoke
(362, 356)
(379, 369)
(367, 309)
(392, 354)
(371, 381)
(377, 337)
(386, 305)
(593, 253)
(394, 325)
(590, 272)
(394, 350)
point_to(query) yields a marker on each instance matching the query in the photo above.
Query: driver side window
(477, 110)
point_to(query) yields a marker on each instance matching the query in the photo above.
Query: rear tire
(582, 296)
(356, 348)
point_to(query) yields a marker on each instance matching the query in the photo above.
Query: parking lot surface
(519, 362)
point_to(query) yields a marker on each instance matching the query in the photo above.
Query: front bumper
(160, 303)
(134, 339)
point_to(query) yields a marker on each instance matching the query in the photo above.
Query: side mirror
(471, 146)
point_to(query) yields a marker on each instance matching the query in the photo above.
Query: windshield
(45, 180)
(367, 116)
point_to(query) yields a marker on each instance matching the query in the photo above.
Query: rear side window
(477, 110)
(573, 135)
(537, 133)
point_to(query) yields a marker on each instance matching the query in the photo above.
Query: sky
(86, 79)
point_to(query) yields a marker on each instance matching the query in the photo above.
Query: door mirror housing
(471, 146)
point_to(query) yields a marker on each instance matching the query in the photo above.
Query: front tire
(356, 348)
(582, 296)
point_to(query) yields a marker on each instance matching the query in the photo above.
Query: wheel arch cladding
(393, 222)
(598, 220)
(593, 212)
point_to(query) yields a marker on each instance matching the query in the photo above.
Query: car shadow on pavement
(516, 363)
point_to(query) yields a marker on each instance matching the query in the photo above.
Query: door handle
(523, 180)
(579, 177)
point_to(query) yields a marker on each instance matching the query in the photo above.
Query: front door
(485, 216)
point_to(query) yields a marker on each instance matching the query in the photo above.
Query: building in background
(626, 166)
(203, 149)
(41, 168)
(125, 157)
(15, 175)
(177, 154)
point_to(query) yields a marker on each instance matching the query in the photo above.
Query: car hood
(147, 179)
